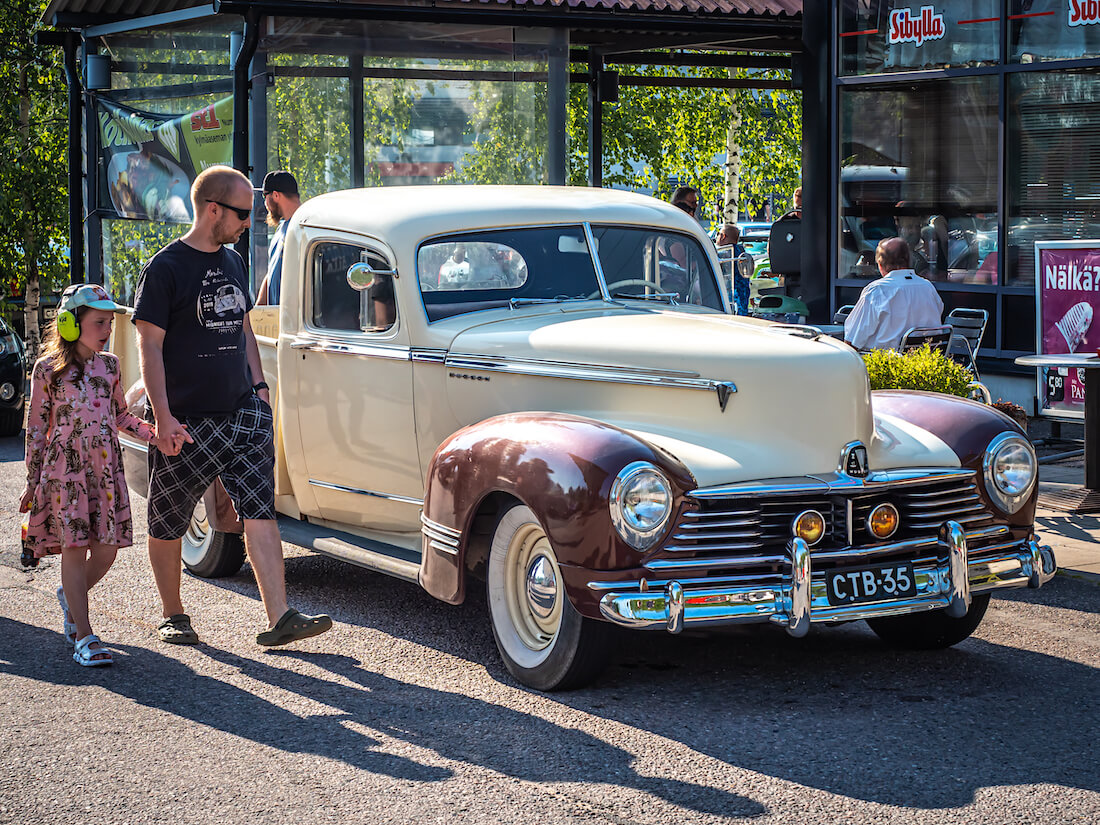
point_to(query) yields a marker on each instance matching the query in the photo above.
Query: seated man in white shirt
(897, 302)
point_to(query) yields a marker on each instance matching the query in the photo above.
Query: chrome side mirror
(746, 265)
(362, 275)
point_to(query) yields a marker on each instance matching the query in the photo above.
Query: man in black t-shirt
(202, 373)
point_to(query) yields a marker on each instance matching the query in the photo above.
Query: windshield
(511, 267)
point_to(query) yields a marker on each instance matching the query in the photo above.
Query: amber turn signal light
(809, 526)
(883, 521)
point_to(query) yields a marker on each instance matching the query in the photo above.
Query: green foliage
(33, 141)
(658, 137)
(918, 369)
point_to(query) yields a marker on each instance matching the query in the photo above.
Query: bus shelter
(348, 94)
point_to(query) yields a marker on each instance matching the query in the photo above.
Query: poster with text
(1067, 287)
(149, 160)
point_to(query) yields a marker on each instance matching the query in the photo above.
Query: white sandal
(84, 652)
(69, 627)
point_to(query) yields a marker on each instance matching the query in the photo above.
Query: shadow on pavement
(456, 726)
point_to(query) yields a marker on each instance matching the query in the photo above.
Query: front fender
(965, 426)
(561, 466)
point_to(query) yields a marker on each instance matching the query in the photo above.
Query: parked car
(754, 237)
(13, 373)
(540, 391)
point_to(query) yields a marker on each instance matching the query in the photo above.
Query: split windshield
(512, 267)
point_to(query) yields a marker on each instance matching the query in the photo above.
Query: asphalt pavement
(403, 713)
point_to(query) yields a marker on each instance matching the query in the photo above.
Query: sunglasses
(242, 214)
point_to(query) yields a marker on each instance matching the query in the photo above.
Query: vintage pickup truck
(543, 389)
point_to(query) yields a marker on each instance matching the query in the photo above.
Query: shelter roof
(127, 9)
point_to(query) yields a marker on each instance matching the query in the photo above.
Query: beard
(225, 233)
(274, 215)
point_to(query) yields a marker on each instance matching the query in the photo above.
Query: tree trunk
(32, 336)
(733, 161)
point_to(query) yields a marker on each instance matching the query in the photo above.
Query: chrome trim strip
(428, 355)
(374, 494)
(442, 529)
(830, 483)
(393, 353)
(133, 444)
(597, 264)
(608, 373)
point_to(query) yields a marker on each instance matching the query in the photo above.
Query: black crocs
(177, 630)
(293, 626)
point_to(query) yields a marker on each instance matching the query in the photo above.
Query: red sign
(1083, 12)
(905, 28)
(1068, 293)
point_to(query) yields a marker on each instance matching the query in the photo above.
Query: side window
(336, 305)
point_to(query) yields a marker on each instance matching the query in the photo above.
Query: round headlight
(882, 522)
(809, 526)
(641, 503)
(1010, 471)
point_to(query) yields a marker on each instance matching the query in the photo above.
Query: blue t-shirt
(200, 300)
(275, 263)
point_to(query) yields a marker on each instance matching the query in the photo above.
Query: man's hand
(264, 395)
(171, 435)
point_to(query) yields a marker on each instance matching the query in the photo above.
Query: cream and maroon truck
(541, 391)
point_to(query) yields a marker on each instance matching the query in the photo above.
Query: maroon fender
(965, 426)
(561, 466)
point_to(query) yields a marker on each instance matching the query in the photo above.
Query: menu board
(1067, 295)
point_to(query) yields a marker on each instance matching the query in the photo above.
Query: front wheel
(210, 553)
(545, 643)
(930, 631)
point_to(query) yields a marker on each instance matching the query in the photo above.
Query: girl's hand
(172, 435)
(25, 500)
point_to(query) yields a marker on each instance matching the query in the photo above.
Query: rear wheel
(210, 553)
(544, 641)
(932, 630)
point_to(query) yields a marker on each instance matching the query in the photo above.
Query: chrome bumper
(800, 598)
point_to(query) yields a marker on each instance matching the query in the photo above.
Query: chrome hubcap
(542, 587)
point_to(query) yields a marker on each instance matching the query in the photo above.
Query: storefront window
(919, 160)
(1053, 164)
(903, 35)
(1053, 29)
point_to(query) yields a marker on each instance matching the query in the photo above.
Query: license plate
(871, 584)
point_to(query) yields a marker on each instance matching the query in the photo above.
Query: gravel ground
(404, 713)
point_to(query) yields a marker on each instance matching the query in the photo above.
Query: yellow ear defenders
(68, 327)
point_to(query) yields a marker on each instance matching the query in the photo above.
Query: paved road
(404, 714)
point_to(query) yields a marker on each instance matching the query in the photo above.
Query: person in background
(76, 486)
(202, 372)
(280, 191)
(895, 303)
(729, 250)
(796, 212)
(686, 198)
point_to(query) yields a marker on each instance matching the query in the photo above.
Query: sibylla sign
(905, 28)
(1083, 12)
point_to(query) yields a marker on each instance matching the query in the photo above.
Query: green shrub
(918, 369)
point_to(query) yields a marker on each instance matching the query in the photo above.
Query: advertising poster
(1067, 287)
(149, 160)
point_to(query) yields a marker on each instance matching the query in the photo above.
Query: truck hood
(791, 403)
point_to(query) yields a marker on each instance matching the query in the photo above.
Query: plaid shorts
(240, 448)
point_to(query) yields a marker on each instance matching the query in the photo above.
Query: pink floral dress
(74, 464)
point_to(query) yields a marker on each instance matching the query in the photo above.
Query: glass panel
(899, 35)
(1017, 323)
(919, 160)
(127, 246)
(336, 305)
(1053, 29)
(1053, 164)
(645, 262)
(487, 270)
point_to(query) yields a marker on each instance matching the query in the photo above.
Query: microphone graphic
(1074, 324)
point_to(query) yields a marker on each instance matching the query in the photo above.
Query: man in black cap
(281, 198)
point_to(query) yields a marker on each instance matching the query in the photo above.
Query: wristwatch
(261, 386)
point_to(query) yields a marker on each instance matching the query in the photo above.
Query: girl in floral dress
(76, 490)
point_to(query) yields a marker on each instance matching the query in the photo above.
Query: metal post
(819, 202)
(93, 225)
(595, 121)
(358, 127)
(557, 101)
(242, 83)
(76, 206)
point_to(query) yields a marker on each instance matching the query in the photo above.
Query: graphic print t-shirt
(199, 299)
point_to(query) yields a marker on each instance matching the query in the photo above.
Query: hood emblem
(724, 389)
(853, 460)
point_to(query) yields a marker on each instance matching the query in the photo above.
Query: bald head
(891, 254)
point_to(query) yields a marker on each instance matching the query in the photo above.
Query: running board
(398, 562)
